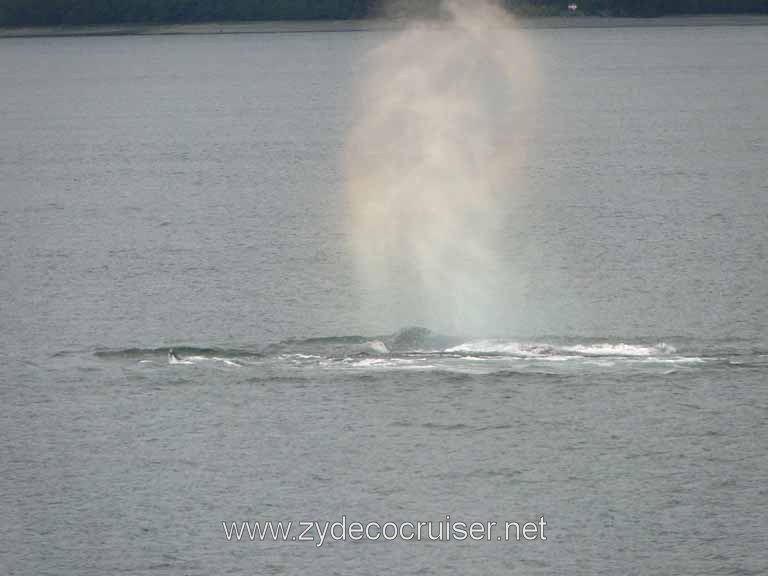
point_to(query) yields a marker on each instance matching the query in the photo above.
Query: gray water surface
(187, 192)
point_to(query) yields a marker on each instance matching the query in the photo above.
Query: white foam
(675, 360)
(378, 346)
(619, 349)
(226, 361)
(192, 360)
(502, 347)
(554, 358)
(380, 363)
(366, 362)
(548, 351)
(300, 356)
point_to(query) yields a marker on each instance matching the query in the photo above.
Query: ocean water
(187, 193)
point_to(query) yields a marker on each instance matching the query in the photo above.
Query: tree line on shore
(86, 12)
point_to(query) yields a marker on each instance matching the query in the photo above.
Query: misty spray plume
(432, 166)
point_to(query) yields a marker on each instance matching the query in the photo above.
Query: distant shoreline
(364, 25)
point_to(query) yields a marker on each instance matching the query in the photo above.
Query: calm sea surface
(188, 192)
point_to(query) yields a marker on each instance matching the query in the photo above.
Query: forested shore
(16, 13)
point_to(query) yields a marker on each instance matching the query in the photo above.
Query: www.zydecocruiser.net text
(352, 531)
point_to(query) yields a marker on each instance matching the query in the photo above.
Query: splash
(432, 167)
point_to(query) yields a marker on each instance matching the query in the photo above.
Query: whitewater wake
(418, 349)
